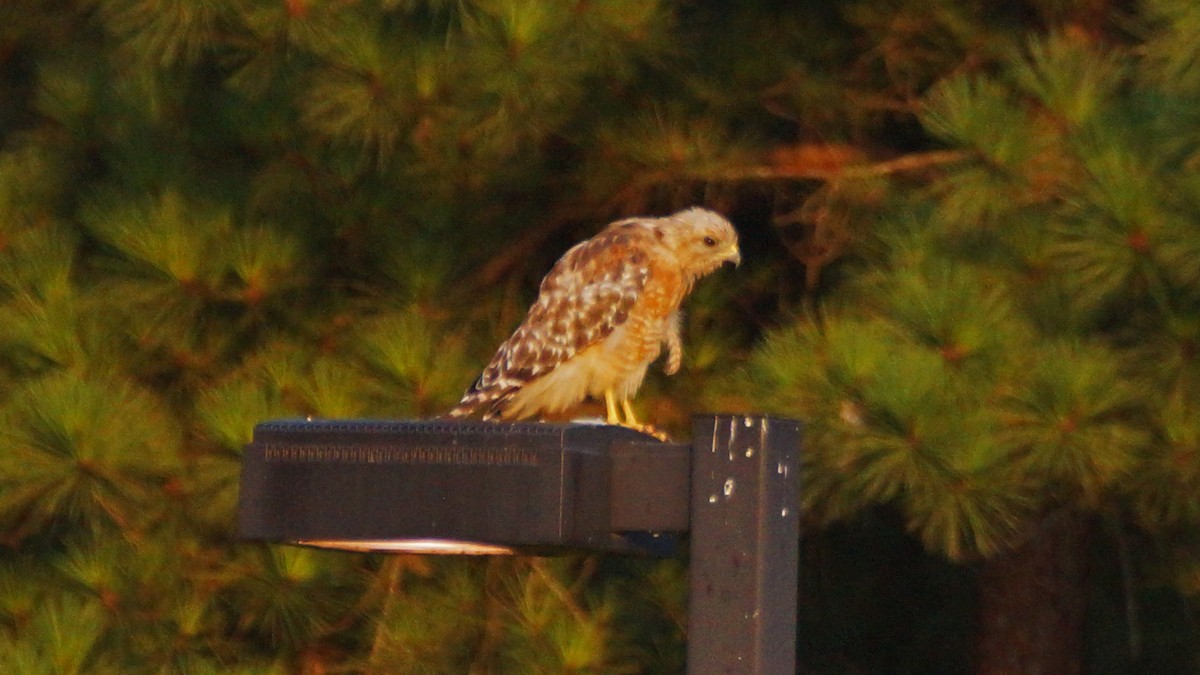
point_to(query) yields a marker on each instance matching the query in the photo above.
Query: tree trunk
(1032, 601)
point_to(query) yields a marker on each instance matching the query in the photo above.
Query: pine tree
(1016, 362)
(217, 213)
(971, 243)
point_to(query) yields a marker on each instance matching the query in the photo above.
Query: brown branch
(493, 617)
(559, 591)
(526, 244)
(392, 570)
(901, 164)
(532, 238)
(906, 163)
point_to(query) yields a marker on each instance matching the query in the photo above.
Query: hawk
(603, 314)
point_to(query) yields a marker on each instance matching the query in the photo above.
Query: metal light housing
(542, 489)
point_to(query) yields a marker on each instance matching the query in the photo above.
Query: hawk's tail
(490, 401)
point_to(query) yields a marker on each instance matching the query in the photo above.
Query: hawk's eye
(710, 242)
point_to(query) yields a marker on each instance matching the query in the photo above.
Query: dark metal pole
(745, 537)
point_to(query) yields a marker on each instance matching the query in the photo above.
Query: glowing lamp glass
(419, 546)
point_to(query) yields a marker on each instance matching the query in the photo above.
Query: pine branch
(527, 243)
(557, 589)
(392, 571)
(824, 171)
(532, 238)
(491, 638)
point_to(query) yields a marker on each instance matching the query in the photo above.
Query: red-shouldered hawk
(602, 315)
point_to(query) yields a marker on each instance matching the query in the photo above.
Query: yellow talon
(614, 417)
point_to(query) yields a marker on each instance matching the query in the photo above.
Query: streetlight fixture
(541, 489)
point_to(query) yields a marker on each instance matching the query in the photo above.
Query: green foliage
(995, 360)
(69, 456)
(1161, 492)
(506, 616)
(442, 621)
(288, 596)
(218, 212)
(901, 408)
(1172, 60)
(61, 637)
(1072, 417)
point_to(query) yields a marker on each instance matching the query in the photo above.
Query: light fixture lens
(421, 546)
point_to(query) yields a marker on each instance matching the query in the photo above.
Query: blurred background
(972, 268)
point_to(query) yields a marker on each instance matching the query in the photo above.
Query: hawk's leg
(630, 418)
(610, 402)
(614, 416)
(674, 342)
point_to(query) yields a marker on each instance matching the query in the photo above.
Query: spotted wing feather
(584, 297)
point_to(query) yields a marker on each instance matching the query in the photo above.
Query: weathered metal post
(745, 536)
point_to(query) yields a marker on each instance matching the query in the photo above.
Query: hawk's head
(703, 240)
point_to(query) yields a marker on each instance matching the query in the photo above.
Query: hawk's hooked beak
(733, 255)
